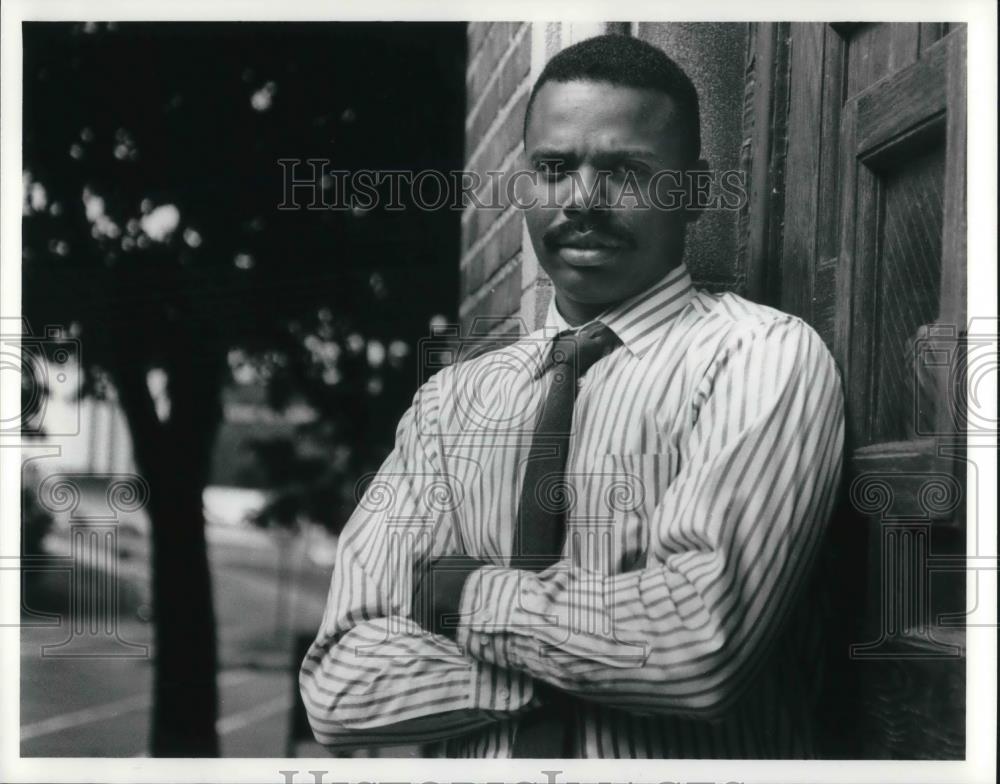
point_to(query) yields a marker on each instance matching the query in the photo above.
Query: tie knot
(582, 349)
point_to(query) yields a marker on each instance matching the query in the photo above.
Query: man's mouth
(590, 241)
(587, 249)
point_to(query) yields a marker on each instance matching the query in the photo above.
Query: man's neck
(577, 313)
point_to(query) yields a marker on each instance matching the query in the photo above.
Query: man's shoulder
(729, 317)
(725, 323)
(727, 308)
(491, 359)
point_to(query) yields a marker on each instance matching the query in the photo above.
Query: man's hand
(438, 592)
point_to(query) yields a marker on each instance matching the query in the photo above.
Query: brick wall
(497, 86)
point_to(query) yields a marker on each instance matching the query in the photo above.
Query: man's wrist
(449, 584)
(438, 595)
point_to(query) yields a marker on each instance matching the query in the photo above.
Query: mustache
(587, 234)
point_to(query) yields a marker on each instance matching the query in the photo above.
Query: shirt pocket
(610, 530)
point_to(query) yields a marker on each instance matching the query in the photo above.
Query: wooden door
(873, 256)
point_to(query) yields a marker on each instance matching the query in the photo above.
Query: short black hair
(628, 62)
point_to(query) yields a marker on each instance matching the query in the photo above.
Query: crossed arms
(732, 539)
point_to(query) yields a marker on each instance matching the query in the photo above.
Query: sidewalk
(100, 706)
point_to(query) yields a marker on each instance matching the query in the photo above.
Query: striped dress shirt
(704, 460)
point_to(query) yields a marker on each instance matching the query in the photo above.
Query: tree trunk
(185, 697)
(173, 457)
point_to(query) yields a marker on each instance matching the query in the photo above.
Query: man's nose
(585, 192)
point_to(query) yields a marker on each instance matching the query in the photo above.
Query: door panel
(873, 256)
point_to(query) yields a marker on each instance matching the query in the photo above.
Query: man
(609, 568)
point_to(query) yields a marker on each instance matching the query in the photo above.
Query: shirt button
(503, 694)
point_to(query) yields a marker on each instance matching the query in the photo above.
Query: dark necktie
(541, 518)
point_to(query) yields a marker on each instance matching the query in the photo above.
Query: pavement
(266, 592)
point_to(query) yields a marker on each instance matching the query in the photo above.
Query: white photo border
(981, 17)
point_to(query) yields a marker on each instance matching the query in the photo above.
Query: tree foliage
(152, 231)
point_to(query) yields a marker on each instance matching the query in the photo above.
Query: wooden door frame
(829, 145)
(765, 123)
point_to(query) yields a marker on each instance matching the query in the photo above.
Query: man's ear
(700, 168)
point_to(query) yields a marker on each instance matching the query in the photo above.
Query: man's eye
(628, 167)
(550, 167)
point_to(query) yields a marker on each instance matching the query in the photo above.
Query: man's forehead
(600, 114)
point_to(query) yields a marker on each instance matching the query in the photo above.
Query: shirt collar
(639, 320)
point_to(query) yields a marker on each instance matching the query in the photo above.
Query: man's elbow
(327, 704)
(707, 694)
(334, 721)
(717, 700)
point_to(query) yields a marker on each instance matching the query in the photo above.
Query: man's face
(596, 138)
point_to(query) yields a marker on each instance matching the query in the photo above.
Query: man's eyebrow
(627, 152)
(551, 152)
(619, 153)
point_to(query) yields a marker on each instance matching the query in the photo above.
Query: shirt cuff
(493, 617)
(485, 607)
(507, 618)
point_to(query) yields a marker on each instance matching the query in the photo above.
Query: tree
(152, 230)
